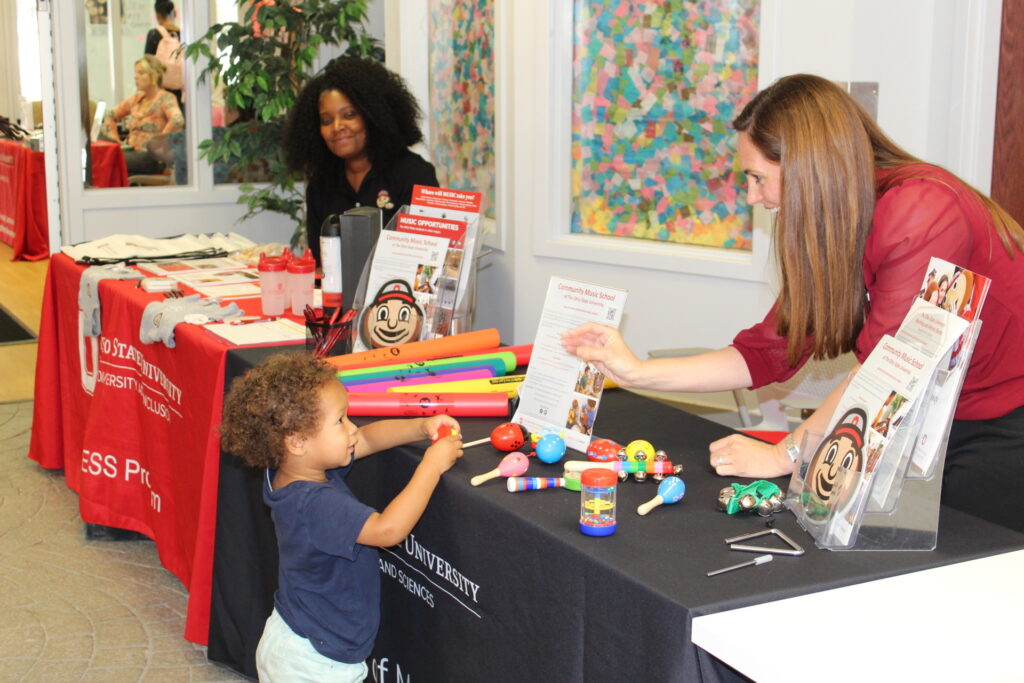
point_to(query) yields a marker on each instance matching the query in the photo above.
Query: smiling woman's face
(342, 126)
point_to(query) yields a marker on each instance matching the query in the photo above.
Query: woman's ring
(719, 461)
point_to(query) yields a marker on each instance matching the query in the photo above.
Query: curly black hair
(278, 398)
(381, 96)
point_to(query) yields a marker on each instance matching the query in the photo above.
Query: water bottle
(300, 282)
(330, 262)
(273, 292)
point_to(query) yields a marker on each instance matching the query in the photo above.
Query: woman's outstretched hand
(604, 346)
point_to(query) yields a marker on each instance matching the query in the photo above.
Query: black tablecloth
(498, 586)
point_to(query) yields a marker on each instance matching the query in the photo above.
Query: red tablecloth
(23, 220)
(133, 425)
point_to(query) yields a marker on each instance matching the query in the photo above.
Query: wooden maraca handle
(650, 505)
(481, 478)
(476, 443)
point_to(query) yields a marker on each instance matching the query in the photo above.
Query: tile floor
(78, 610)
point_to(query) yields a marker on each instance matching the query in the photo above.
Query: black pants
(985, 469)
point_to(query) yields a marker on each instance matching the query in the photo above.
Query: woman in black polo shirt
(349, 134)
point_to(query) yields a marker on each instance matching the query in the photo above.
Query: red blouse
(922, 217)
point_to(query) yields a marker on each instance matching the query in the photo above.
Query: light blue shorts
(285, 656)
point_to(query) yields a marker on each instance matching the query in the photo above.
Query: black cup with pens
(329, 333)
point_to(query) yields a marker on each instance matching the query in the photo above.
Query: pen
(760, 559)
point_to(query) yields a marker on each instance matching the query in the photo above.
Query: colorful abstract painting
(656, 84)
(462, 95)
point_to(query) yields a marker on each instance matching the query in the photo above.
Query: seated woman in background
(149, 112)
(349, 134)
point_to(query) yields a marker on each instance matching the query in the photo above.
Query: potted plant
(263, 61)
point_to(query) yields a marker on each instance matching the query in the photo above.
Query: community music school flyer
(561, 393)
(943, 320)
(440, 313)
(864, 448)
(452, 205)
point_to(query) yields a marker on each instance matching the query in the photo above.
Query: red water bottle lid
(273, 264)
(302, 264)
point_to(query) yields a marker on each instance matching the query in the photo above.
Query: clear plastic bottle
(273, 283)
(300, 282)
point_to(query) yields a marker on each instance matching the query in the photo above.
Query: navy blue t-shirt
(328, 585)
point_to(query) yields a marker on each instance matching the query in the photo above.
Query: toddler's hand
(444, 453)
(432, 424)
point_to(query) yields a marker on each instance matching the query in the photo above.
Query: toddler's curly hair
(278, 398)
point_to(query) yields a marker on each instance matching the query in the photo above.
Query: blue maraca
(550, 448)
(670, 490)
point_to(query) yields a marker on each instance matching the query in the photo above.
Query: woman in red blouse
(150, 112)
(857, 220)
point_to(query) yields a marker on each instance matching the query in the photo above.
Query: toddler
(290, 416)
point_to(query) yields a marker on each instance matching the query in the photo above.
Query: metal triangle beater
(794, 549)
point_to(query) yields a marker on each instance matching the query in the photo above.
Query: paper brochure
(561, 393)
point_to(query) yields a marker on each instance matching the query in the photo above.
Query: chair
(783, 405)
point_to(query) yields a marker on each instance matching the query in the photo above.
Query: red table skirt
(23, 218)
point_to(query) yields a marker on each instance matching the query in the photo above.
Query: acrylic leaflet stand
(459, 309)
(895, 507)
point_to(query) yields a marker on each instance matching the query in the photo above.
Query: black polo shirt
(387, 188)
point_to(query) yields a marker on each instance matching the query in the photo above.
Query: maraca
(512, 465)
(550, 448)
(670, 490)
(443, 431)
(508, 436)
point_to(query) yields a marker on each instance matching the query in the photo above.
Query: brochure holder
(896, 506)
(453, 310)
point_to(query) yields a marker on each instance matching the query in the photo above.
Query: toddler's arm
(384, 434)
(396, 521)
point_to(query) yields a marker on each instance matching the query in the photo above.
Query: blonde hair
(154, 67)
(828, 148)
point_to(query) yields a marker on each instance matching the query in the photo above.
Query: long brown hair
(828, 148)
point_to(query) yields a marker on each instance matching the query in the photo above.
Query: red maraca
(508, 436)
(443, 431)
(512, 465)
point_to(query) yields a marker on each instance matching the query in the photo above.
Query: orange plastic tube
(422, 350)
